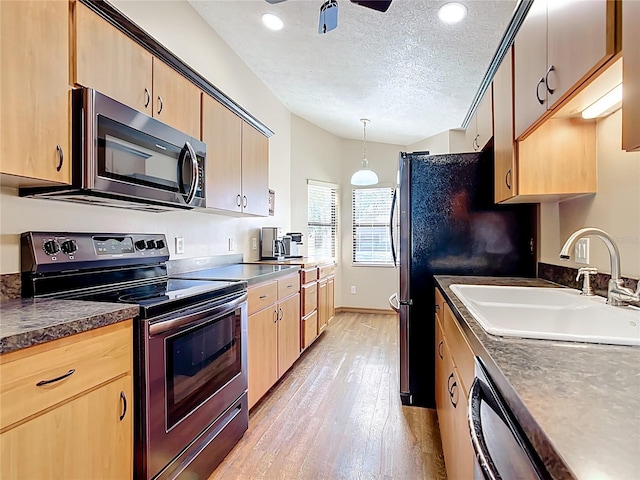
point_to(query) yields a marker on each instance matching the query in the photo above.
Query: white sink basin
(549, 313)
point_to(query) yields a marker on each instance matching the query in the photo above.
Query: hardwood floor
(337, 415)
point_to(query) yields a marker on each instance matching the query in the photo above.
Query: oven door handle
(173, 323)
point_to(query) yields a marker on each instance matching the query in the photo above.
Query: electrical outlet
(353, 289)
(232, 245)
(179, 244)
(581, 251)
(254, 243)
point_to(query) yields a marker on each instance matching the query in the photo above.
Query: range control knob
(151, 244)
(160, 244)
(69, 246)
(51, 247)
(141, 245)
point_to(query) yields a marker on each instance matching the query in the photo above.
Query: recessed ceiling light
(272, 22)
(452, 13)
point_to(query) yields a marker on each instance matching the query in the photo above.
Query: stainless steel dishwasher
(502, 450)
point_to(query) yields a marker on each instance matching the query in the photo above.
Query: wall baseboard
(379, 311)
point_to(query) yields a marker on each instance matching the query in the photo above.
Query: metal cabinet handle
(451, 387)
(437, 308)
(161, 105)
(263, 296)
(506, 179)
(541, 81)
(124, 405)
(477, 440)
(440, 349)
(275, 316)
(239, 200)
(57, 379)
(281, 314)
(147, 97)
(60, 157)
(476, 145)
(546, 79)
(244, 203)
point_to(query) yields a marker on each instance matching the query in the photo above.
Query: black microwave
(124, 158)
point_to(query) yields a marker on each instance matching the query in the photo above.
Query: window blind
(371, 208)
(322, 219)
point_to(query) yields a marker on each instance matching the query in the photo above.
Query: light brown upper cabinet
(112, 63)
(558, 46)
(505, 185)
(237, 162)
(35, 99)
(631, 75)
(480, 128)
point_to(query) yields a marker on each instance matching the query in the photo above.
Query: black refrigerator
(444, 222)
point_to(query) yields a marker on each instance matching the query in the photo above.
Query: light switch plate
(581, 252)
(179, 244)
(232, 245)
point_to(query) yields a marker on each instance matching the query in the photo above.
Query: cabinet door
(530, 64)
(309, 298)
(446, 414)
(631, 75)
(578, 42)
(84, 438)
(471, 134)
(484, 120)
(331, 298)
(262, 353)
(461, 443)
(176, 101)
(323, 305)
(441, 396)
(309, 329)
(222, 132)
(288, 333)
(35, 94)
(503, 141)
(255, 171)
(110, 62)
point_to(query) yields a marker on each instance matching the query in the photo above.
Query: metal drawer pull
(57, 379)
(263, 296)
(60, 157)
(124, 408)
(290, 285)
(540, 100)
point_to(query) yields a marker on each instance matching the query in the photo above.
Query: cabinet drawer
(309, 329)
(262, 296)
(309, 275)
(459, 348)
(95, 357)
(288, 286)
(309, 298)
(325, 270)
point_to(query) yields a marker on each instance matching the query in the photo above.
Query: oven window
(199, 363)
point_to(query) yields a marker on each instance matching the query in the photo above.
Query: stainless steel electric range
(190, 342)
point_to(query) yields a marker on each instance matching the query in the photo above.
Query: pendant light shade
(365, 176)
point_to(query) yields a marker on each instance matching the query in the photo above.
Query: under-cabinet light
(606, 104)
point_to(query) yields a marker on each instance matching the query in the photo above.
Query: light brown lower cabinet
(273, 333)
(79, 426)
(454, 360)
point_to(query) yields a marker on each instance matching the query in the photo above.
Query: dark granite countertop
(27, 322)
(249, 272)
(578, 403)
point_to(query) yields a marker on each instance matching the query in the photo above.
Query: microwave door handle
(393, 208)
(195, 175)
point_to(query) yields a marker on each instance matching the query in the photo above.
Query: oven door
(194, 368)
(131, 154)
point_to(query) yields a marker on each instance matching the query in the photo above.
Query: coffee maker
(291, 242)
(271, 245)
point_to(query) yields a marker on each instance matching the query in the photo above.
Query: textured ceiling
(406, 71)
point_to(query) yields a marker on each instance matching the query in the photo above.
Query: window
(371, 212)
(322, 219)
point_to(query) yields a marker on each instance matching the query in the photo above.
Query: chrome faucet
(617, 294)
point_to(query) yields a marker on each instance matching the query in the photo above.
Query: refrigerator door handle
(393, 209)
(393, 302)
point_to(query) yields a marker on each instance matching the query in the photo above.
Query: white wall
(374, 285)
(614, 209)
(181, 30)
(449, 141)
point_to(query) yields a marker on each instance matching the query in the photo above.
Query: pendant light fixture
(365, 176)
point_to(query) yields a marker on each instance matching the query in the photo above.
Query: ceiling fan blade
(379, 5)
